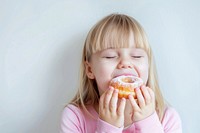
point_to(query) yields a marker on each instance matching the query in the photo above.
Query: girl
(117, 45)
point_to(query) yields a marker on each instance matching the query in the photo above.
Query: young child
(117, 45)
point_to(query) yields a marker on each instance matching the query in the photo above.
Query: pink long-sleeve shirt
(74, 120)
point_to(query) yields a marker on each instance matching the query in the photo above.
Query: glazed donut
(126, 85)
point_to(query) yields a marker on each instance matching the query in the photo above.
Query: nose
(125, 63)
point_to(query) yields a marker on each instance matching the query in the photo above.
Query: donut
(126, 85)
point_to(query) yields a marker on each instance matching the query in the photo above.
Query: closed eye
(137, 57)
(110, 57)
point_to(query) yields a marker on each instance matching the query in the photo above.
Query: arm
(171, 123)
(150, 123)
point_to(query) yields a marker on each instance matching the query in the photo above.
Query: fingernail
(111, 88)
(137, 89)
(123, 99)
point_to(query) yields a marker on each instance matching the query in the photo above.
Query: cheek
(103, 77)
(144, 72)
(145, 76)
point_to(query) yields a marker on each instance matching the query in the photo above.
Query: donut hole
(127, 80)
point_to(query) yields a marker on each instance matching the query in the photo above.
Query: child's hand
(145, 105)
(109, 110)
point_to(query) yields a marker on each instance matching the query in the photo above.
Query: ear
(88, 70)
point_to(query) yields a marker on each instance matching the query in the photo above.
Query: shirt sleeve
(171, 123)
(151, 123)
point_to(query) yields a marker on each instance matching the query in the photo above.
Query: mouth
(125, 74)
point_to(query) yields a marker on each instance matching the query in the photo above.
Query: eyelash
(137, 57)
(110, 57)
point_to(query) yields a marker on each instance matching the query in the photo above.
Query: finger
(107, 98)
(140, 98)
(134, 103)
(146, 94)
(152, 94)
(113, 101)
(121, 107)
(101, 102)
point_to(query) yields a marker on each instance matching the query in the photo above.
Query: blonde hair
(114, 31)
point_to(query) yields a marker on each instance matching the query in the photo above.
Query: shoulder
(170, 113)
(76, 120)
(72, 119)
(171, 119)
(71, 108)
(71, 111)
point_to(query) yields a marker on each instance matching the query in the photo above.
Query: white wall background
(40, 51)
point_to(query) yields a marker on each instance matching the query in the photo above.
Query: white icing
(136, 81)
